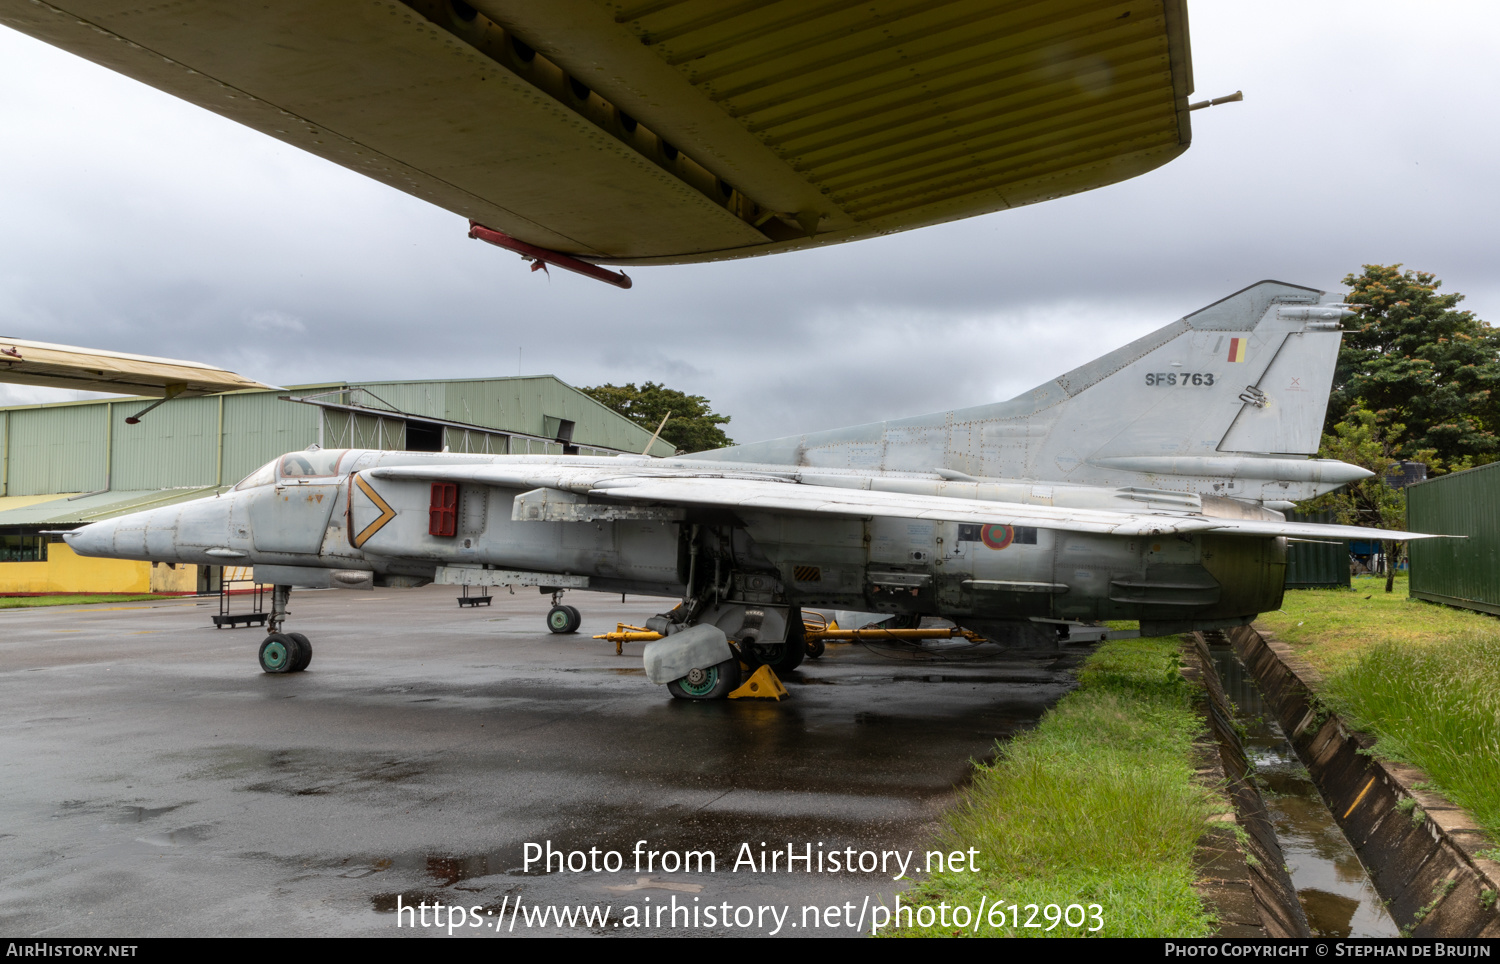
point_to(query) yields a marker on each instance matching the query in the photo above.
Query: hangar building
(67, 464)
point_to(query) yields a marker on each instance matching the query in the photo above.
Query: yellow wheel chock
(762, 685)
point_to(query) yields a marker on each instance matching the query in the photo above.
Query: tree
(1361, 440)
(1413, 359)
(693, 427)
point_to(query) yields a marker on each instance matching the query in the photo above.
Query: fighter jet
(1145, 485)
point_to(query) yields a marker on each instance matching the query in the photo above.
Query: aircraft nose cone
(95, 539)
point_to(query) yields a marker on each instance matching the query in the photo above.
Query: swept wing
(659, 131)
(729, 491)
(90, 369)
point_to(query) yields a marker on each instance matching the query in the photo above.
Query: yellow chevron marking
(386, 512)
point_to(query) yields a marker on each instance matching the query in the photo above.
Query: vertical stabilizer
(1245, 377)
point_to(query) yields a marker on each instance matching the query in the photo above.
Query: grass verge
(1097, 805)
(1423, 679)
(1332, 628)
(26, 602)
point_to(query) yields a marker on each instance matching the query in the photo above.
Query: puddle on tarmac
(179, 837)
(1331, 883)
(142, 814)
(1021, 678)
(500, 871)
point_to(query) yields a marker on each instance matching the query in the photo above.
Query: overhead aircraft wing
(660, 131)
(89, 369)
(730, 492)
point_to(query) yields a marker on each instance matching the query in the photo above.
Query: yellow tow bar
(852, 635)
(830, 634)
(625, 633)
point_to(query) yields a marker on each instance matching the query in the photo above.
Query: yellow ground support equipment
(855, 635)
(762, 685)
(625, 633)
(817, 631)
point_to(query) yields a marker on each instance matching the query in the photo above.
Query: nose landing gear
(283, 652)
(563, 619)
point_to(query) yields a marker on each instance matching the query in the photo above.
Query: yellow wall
(66, 572)
(182, 579)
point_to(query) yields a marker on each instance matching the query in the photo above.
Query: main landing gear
(563, 619)
(283, 652)
(714, 683)
(782, 657)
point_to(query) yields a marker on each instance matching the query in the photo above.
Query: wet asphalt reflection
(155, 782)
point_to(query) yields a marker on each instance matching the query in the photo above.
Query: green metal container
(1316, 565)
(1460, 572)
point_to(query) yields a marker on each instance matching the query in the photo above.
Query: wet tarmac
(153, 782)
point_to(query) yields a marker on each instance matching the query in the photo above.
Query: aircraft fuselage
(401, 532)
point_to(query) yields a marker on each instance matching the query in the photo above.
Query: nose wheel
(564, 619)
(285, 653)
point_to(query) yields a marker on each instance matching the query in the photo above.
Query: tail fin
(1249, 374)
(1246, 376)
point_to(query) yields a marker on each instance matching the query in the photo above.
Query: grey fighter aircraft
(1144, 485)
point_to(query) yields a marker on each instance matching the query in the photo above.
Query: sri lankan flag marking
(1237, 348)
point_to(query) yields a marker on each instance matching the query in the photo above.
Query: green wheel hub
(700, 682)
(275, 655)
(557, 620)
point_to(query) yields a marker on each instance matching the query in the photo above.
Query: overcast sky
(136, 222)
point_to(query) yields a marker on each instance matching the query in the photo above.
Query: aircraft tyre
(714, 683)
(781, 657)
(279, 654)
(304, 652)
(563, 619)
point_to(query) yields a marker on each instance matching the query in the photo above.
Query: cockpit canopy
(313, 464)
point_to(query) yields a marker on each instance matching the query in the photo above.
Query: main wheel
(781, 657)
(563, 619)
(304, 652)
(714, 683)
(278, 654)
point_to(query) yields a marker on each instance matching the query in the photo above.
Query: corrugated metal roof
(105, 505)
(174, 445)
(895, 106)
(518, 403)
(57, 450)
(86, 446)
